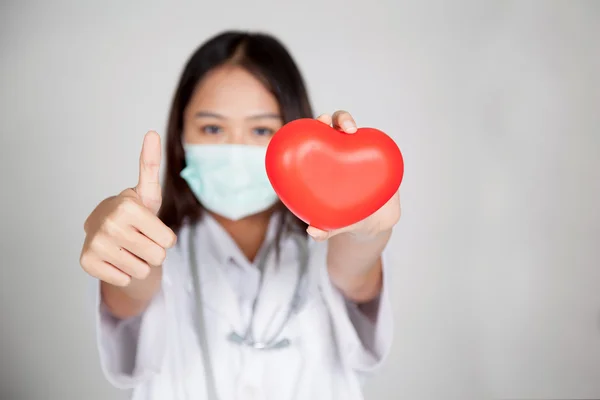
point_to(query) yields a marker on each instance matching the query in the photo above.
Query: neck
(248, 233)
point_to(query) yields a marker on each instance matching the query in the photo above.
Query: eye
(262, 131)
(211, 129)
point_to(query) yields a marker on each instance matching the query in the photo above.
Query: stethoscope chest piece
(235, 338)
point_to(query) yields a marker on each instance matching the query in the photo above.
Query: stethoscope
(247, 338)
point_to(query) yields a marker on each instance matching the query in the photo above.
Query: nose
(238, 136)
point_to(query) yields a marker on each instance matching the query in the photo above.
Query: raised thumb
(148, 187)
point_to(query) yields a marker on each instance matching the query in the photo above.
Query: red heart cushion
(331, 179)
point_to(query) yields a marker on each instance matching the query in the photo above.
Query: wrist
(365, 237)
(133, 299)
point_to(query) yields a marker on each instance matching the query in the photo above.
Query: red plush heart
(331, 179)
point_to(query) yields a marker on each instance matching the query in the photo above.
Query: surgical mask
(229, 179)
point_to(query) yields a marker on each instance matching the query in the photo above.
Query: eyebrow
(201, 114)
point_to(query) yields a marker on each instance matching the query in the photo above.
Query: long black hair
(269, 61)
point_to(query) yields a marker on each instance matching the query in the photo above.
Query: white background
(495, 105)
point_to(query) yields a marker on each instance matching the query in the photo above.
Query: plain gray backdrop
(495, 105)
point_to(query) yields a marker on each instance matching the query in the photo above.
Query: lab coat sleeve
(364, 335)
(131, 350)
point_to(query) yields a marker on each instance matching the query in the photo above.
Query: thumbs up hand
(124, 237)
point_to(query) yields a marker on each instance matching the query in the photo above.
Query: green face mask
(229, 179)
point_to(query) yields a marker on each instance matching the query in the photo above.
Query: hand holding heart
(337, 178)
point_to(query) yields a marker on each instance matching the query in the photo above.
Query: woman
(210, 287)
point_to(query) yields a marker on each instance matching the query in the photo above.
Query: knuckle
(143, 271)
(86, 224)
(96, 245)
(84, 261)
(126, 205)
(172, 239)
(153, 202)
(122, 281)
(110, 227)
(159, 257)
(90, 266)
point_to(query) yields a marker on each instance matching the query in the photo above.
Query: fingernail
(349, 127)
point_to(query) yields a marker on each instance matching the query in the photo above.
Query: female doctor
(209, 288)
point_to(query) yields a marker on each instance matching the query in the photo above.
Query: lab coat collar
(225, 249)
(217, 294)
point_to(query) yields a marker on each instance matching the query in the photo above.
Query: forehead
(232, 91)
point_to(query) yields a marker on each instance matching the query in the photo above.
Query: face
(231, 106)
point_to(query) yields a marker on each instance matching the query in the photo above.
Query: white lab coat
(333, 344)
